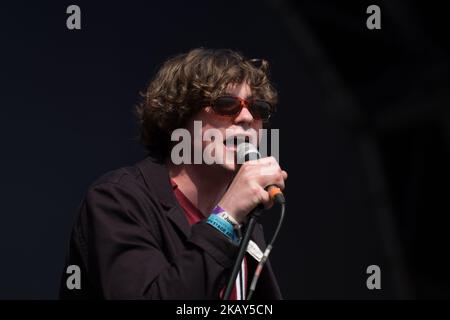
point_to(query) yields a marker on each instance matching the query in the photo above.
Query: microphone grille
(246, 152)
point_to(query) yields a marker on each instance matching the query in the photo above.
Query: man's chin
(229, 166)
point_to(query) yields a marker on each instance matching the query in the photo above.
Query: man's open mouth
(233, 141)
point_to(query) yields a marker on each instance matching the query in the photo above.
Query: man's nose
(244, 116)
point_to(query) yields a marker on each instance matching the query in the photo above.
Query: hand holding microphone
(259, 180)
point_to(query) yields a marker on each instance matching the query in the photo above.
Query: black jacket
(131, 240)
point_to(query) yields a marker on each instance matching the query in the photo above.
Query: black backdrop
(362, 118)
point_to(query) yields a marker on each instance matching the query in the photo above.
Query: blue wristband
(222, 225)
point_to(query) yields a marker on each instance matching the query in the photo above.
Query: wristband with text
(222, 225)
(226, 216)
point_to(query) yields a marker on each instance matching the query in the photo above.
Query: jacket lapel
(157, 180)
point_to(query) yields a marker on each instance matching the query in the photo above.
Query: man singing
(162, 229)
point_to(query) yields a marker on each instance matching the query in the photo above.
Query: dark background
(363, 119)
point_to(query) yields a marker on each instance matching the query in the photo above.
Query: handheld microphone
(246, 152)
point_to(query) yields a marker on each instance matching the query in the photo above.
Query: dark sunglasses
(232, 106)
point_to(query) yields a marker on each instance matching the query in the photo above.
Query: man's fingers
(265, 199)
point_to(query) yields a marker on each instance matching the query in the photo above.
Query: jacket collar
(156, 177)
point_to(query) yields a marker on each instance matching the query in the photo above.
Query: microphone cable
(265, 256)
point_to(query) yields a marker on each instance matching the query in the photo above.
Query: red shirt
(194, 215)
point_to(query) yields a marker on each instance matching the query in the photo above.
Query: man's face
(241, 125)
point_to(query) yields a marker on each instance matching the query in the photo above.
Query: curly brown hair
(187, 82)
